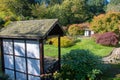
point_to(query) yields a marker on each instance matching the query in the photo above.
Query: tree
(38, 11)
(97, 6)
(53, 2)
(70, 11)
(20, 7)
(109, 22)
(114, 5)
(4, 10)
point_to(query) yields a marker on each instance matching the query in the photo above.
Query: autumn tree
(4, 10)
(109, 22)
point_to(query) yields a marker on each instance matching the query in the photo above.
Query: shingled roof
(32, 29)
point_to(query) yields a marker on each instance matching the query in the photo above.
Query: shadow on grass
(111, 73)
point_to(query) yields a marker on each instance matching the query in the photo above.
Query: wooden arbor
(22, 47)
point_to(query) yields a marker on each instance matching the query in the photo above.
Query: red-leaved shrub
(108, 39)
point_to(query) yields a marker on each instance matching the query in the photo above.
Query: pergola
(22, 47)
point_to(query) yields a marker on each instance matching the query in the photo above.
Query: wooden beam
(26, 59)
(59, 53)
(13, 47)
(2, 55)
(41, 56)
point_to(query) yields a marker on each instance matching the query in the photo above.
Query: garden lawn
(85, 43)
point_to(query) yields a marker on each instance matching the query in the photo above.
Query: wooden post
(59, 53)
(14, 58)
(26, 59)
(41, 57)
(2, 55)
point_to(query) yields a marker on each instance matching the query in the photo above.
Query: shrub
(108, 39)
(73, 30)
(65, 41)
(79, 65)
(108, 22)
(76, 29)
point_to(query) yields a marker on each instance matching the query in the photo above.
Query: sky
(108, 0)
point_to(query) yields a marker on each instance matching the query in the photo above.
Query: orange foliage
(106, 22)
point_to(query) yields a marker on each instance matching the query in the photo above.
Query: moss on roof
(30, 28)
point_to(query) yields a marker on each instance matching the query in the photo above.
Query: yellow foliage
(73, 29)
(106, 22)
(4, 9)
(65, 41)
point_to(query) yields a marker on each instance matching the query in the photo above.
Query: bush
(65, 41)
(73, 30)
(108, 39)
(78, 29)
(79, 65)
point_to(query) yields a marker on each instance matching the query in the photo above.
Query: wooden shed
(22, 47)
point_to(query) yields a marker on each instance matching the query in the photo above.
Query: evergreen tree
(97, 6)
(114, 6)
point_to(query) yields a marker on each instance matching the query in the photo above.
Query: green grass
(86, 43)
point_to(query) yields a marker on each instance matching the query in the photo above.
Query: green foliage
(53, 2)
(38, 11)
(1, 21)
(114, 5)
(80, 65)
(65, 41)
(70, 11)
(96, 6)
(108, 22)
(20, 7)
